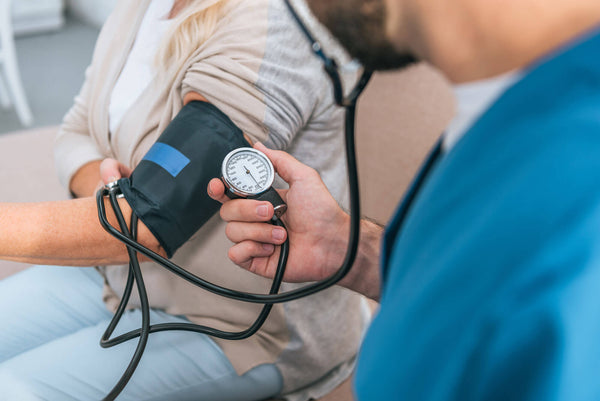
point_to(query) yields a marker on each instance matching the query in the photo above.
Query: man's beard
(359, 25)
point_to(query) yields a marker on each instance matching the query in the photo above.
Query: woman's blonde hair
(191, 28)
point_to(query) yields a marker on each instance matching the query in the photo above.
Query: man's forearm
(365, 275)
(63, 233)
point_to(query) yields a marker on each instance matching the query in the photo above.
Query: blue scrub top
(492, 279)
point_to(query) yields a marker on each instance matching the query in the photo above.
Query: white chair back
(11, 88)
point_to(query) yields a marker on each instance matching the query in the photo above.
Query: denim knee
(15, 389)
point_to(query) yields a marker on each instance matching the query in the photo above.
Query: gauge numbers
(247, 171)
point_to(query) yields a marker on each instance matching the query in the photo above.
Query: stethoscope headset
(127, 236)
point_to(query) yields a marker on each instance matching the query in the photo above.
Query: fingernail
(268, 247)
(209, 190)
(262, 211)
(112, 179)
(278, 234)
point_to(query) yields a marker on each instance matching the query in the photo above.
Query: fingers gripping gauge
(248, 173)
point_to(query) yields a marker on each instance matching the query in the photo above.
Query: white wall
(93, 11)
(31, 16)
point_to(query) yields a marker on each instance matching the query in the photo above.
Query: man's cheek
(322, 8)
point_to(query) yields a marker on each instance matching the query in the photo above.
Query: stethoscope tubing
(135, 275)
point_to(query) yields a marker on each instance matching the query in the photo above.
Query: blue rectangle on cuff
(167, 157)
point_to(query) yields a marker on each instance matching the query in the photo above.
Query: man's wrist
(364, 277)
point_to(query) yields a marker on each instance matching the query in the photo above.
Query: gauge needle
(250, 174)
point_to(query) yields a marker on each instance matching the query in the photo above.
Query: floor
(52, 67)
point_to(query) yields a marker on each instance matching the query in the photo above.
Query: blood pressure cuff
(167, 190)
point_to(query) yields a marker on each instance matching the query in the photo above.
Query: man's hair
(359, 25)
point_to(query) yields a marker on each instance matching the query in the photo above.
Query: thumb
(216, 190)
(287, 166)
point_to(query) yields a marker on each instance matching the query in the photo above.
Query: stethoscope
(127, 236)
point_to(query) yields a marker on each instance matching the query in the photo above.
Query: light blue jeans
(51, 321)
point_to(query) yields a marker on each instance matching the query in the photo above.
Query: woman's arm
(69, 232)
(64, 233)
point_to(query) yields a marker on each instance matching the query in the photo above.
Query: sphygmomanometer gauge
(248, 173)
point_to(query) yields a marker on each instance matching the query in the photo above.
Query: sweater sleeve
(74, 146)
(225, 68)
(260, 71)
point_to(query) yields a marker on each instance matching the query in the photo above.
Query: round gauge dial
(247, 172)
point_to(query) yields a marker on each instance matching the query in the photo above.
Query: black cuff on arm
(167, 190)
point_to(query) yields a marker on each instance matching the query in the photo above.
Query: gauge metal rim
(232, 187)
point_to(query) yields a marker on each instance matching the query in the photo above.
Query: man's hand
(317, 227)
